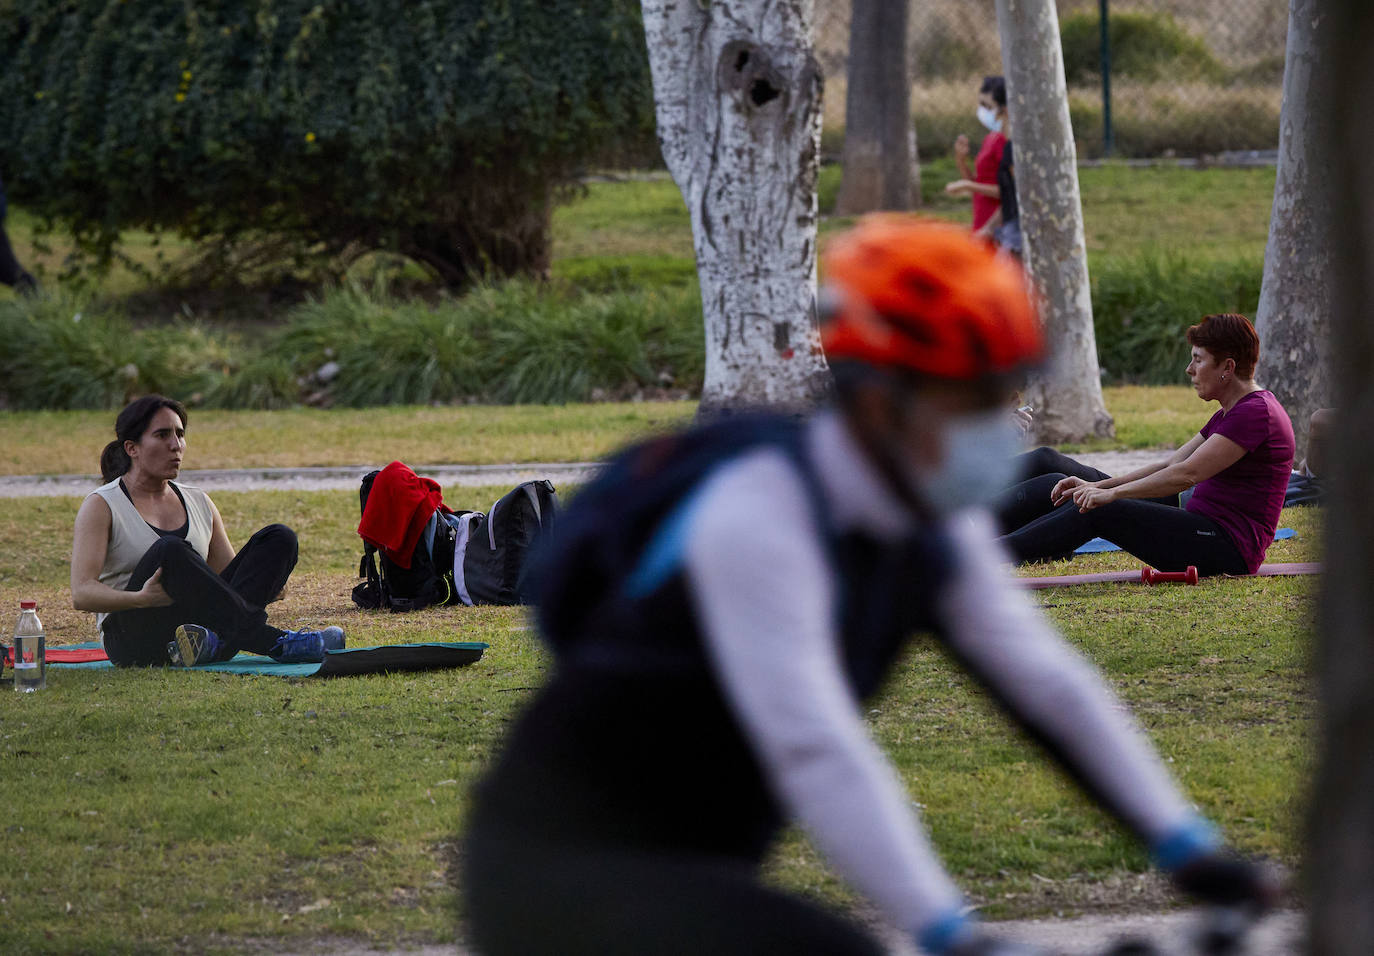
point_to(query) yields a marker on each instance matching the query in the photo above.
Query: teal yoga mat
(1099, 545)
(386, 658)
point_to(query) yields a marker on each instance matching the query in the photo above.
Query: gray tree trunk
(1340, 863)
(737, 92)
(1068, 395)
(1294, 315)
(879, 158)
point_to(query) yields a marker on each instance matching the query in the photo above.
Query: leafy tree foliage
(442, 130)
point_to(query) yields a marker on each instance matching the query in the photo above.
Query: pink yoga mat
(1133, 577)
(63, 655)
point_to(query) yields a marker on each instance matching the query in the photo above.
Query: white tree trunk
(737, 93)
(1293, 319)
(1340, 860)
(1068, 396)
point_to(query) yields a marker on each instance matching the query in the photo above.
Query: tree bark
(1067, 396)
(1294, 314)
(737, 92)
(1341, 849)
(879, 157)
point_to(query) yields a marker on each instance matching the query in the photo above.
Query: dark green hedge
(439, 129)
(1145, 46)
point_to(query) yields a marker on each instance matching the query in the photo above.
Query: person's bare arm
(961, 151)
(90, 540)
(1066, 488)
(1184, 452)
(221, 552)
(965, 187)
(1214, 455)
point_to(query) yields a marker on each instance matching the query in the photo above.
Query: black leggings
(231, 604)
(1155, 530)
(1164, 536)
(1022, 503)
(526, 897)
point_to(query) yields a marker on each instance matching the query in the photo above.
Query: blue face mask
(979, 462)
(988, 117)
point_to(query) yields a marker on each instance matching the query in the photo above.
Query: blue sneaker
(307, 647)
(194, 645)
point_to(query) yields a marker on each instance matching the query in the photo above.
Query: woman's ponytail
(114, 461)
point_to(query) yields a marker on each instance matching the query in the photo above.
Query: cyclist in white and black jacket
(711, 693)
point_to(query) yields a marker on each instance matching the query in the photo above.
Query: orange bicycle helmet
(927, 297)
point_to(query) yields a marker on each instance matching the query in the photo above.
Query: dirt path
(347, 476)
(1170, 933)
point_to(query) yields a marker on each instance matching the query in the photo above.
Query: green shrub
(609, 344)
(388, 352)
(1144, 46)
(1184, 121)
(616, 273)
(59, 355)
(517, 342)
(1149, 119)
(263, 380)
(1142, 305)
(65, 351)
(439, 130)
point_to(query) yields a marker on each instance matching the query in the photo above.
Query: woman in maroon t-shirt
(1237, 464)
(980, 182)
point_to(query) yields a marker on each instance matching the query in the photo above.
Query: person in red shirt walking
(980, 181)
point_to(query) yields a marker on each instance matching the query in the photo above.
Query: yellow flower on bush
(310, 137)
(181, 97)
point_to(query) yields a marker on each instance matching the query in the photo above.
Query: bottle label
(26, 665)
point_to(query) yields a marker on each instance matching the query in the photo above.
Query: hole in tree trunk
(762, 92)
(742, 60)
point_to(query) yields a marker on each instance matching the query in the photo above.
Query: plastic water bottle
(30, 650)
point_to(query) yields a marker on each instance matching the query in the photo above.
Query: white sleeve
(764, 594)
(995, 630)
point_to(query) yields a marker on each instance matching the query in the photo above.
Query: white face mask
(988, 117)
(979, 462)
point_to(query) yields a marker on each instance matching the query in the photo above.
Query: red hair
(1228, 335)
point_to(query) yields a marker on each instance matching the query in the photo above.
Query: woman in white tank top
(151, 557)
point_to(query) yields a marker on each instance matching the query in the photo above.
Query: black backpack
(602, 539)
(499, 543)
(488, 550)
(427, 582)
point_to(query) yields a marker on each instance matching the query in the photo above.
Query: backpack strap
(369, 595)
(664, 552)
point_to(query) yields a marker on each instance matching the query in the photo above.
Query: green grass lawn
(66, 443)
(154, 811)
(70, 442)
(151, 811)
(642, 228)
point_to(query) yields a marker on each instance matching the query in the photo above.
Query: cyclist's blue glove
(1203, 868)
(959, 935)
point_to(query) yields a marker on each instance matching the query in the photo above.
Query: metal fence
(1164, 78)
